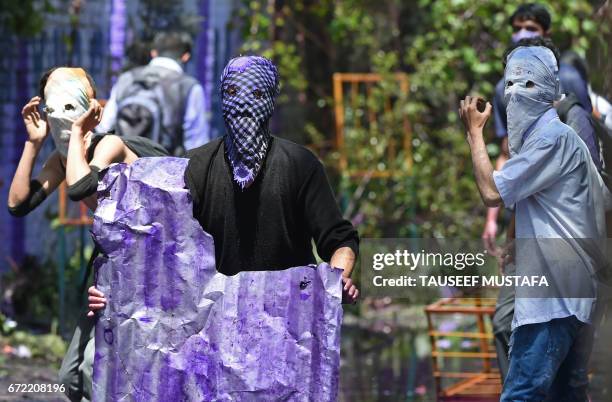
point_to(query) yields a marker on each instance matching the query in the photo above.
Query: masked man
(71, 112)
(553, 184)
(262, 198)
(263, 201)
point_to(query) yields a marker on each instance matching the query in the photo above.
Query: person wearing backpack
(159, 100)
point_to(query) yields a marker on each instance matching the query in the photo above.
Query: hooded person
(70, 113)
(264, 199)
(557, 194)
(531, 85)
(529, 21)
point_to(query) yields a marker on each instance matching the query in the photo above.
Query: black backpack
(151, 103)
(603, 134)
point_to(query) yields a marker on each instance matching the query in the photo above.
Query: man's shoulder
(191, 79)
(126, 77)
(108, 140)
(558, 137)
(205, 151)
(295, 152)
(200, 159)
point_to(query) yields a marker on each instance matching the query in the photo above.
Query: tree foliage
(449, 48)
(24, 17)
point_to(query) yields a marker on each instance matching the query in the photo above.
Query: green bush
(449, 48)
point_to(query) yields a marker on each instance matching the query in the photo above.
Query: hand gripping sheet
(175, 329)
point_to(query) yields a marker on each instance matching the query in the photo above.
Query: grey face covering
(531, 81)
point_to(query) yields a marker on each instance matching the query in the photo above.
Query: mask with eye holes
(66, 100)
(249, 86)
(531, 85)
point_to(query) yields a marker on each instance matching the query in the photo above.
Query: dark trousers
(502, 324)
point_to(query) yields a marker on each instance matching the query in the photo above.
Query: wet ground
(385, 356)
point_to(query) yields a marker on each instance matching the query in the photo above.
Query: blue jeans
(549, 360)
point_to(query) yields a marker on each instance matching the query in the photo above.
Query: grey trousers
(77, 367)
(502, 324)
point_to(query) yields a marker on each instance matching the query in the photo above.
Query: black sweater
(270, 224)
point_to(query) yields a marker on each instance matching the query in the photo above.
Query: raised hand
(35, 124)
(88, 120)
(474, 119)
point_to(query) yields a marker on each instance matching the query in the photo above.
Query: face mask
(65, 101)
(249, 86)
(531, 85)
(524, 34)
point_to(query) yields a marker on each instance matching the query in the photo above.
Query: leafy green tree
(24, 17)
(449, 48)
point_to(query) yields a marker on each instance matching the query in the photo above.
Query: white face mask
(531, 85)
(66, 100)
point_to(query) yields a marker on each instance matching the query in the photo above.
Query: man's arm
(26, 194)
(76, 165)
(490, 230)
(195, 127)
(330, 231)
(474, 122)
(336, 239)
(81, 176)
(344, 258)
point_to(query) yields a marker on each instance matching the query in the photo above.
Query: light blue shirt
(557, 193)
(196, 130)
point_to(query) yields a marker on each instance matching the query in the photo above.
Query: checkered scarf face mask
(249, 86)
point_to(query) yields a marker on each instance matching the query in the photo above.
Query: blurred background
(372, 87)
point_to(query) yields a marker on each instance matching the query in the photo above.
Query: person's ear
(185, 57)
(547, 33)
(154, 53)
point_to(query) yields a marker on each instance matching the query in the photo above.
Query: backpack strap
(125, 84)
(172, 89)
(143, 77)
(564, 106)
